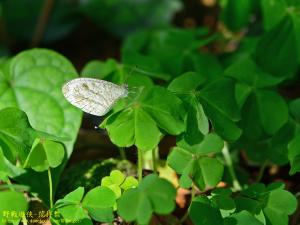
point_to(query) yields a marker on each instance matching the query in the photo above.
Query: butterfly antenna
(132, 69)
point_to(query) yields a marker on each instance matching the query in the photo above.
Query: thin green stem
(262, 171)
(228, 161)
(154, 151)
(25, 163)
(140, 164)
(50, 188)
(122, 153)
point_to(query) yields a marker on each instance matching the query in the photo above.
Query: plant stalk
(154, 160)
(140, 164)
(122, 153)
(262, 171)
(228, 162)
(50, 188)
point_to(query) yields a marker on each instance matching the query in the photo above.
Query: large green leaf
(33, 83)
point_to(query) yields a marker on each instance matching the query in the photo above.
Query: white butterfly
(93, 96)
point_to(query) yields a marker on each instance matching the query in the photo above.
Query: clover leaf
(256, 101)
(117, 182)
(214, 100)
(153, 195)
(141, 123)
(97, 204)
(45, 154)
(194, 165)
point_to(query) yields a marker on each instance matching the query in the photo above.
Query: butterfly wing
(93, 96)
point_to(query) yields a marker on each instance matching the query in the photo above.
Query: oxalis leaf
(17, 138)
(118, 182)
(153, 195)
(265, 203)
(97, 204)
(214, 100)
(194, 165)
(197, 124)
(45, 154)
(141, 122)
(256, 101)
(257, 204)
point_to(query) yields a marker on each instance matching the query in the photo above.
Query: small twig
(42, 23)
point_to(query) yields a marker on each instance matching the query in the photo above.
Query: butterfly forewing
(93, 96)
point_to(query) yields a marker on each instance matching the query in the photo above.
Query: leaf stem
(262, 170)
(154, 151)
(122, 153)
(228, 162)
(50, 188)
(140, 164)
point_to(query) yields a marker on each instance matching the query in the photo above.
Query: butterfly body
(93, 96)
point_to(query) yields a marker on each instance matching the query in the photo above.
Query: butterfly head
(124, 90)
